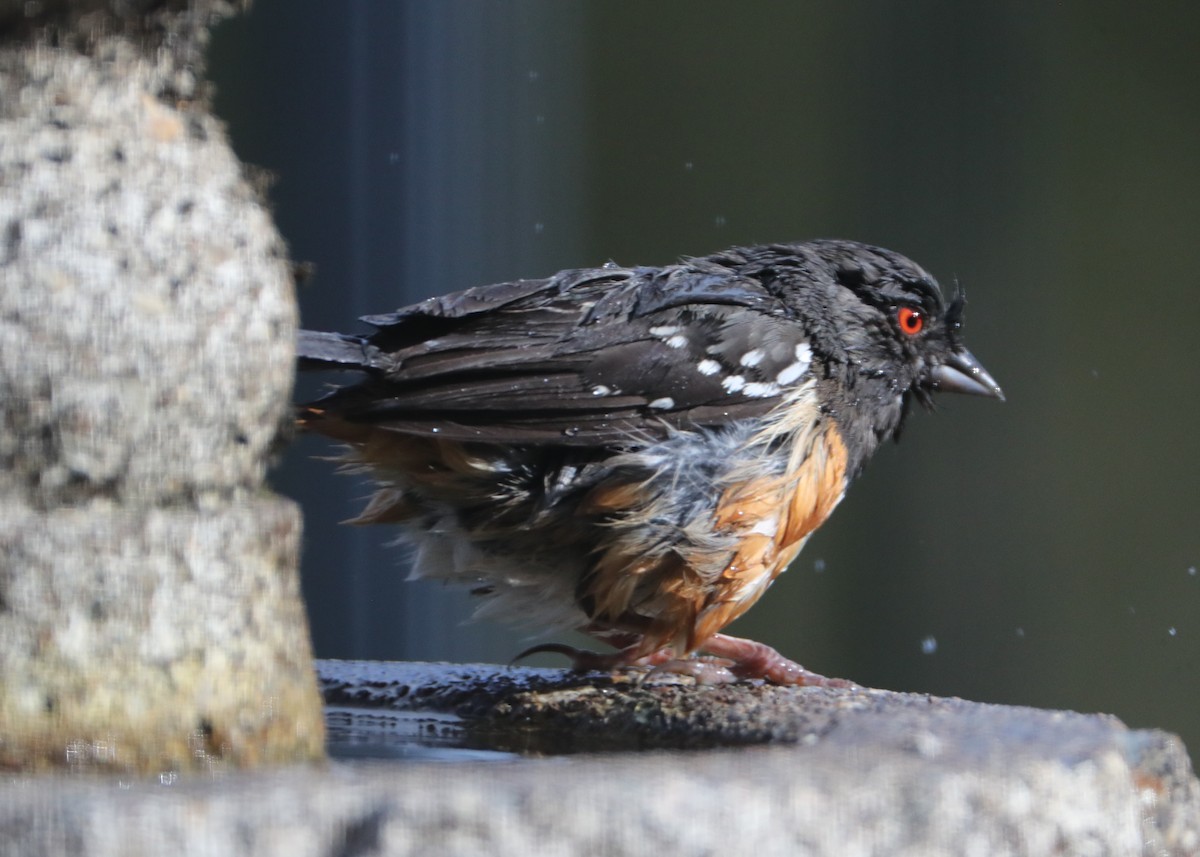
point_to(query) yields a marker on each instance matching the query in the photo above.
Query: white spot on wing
(790, 373)
(733, 383)
(663, 404)
(601, 390)
(793, 371)
(708, 367)
(760, 390)
(752, 357)
(677, 341)
(664, 331)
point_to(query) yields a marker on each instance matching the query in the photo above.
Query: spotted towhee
(638, 453)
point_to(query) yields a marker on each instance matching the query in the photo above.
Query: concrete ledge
(843, 772)
(766, 801)
(861, 772)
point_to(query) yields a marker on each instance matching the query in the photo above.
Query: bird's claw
(582, 660)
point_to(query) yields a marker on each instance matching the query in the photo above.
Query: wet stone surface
(1135, 788)
(550, 711)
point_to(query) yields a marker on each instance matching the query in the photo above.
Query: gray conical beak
(962, 373)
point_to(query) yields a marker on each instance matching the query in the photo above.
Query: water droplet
(1171, 630)
(539, 228)
(534, 74)
(435, 429)
(1191, 571)
(687, 165)
(1021, 633)
(572, 431)
(819, 566)
(393, 158)
(929, 645)
(719, 221)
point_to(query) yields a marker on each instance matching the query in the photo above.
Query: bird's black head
(886, 333)
(904, 327)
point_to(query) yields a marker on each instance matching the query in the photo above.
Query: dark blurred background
(1040, 552)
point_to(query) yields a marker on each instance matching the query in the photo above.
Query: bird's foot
(705, 670)
(725, 660)
(749, 659)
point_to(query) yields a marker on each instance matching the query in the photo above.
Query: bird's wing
(593, 356)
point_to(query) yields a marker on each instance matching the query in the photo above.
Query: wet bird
(638, 452)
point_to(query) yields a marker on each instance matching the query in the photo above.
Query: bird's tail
(316, 350)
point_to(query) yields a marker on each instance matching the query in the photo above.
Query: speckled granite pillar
(150, 614)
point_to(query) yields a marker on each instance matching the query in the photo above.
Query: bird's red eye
(911, 320)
